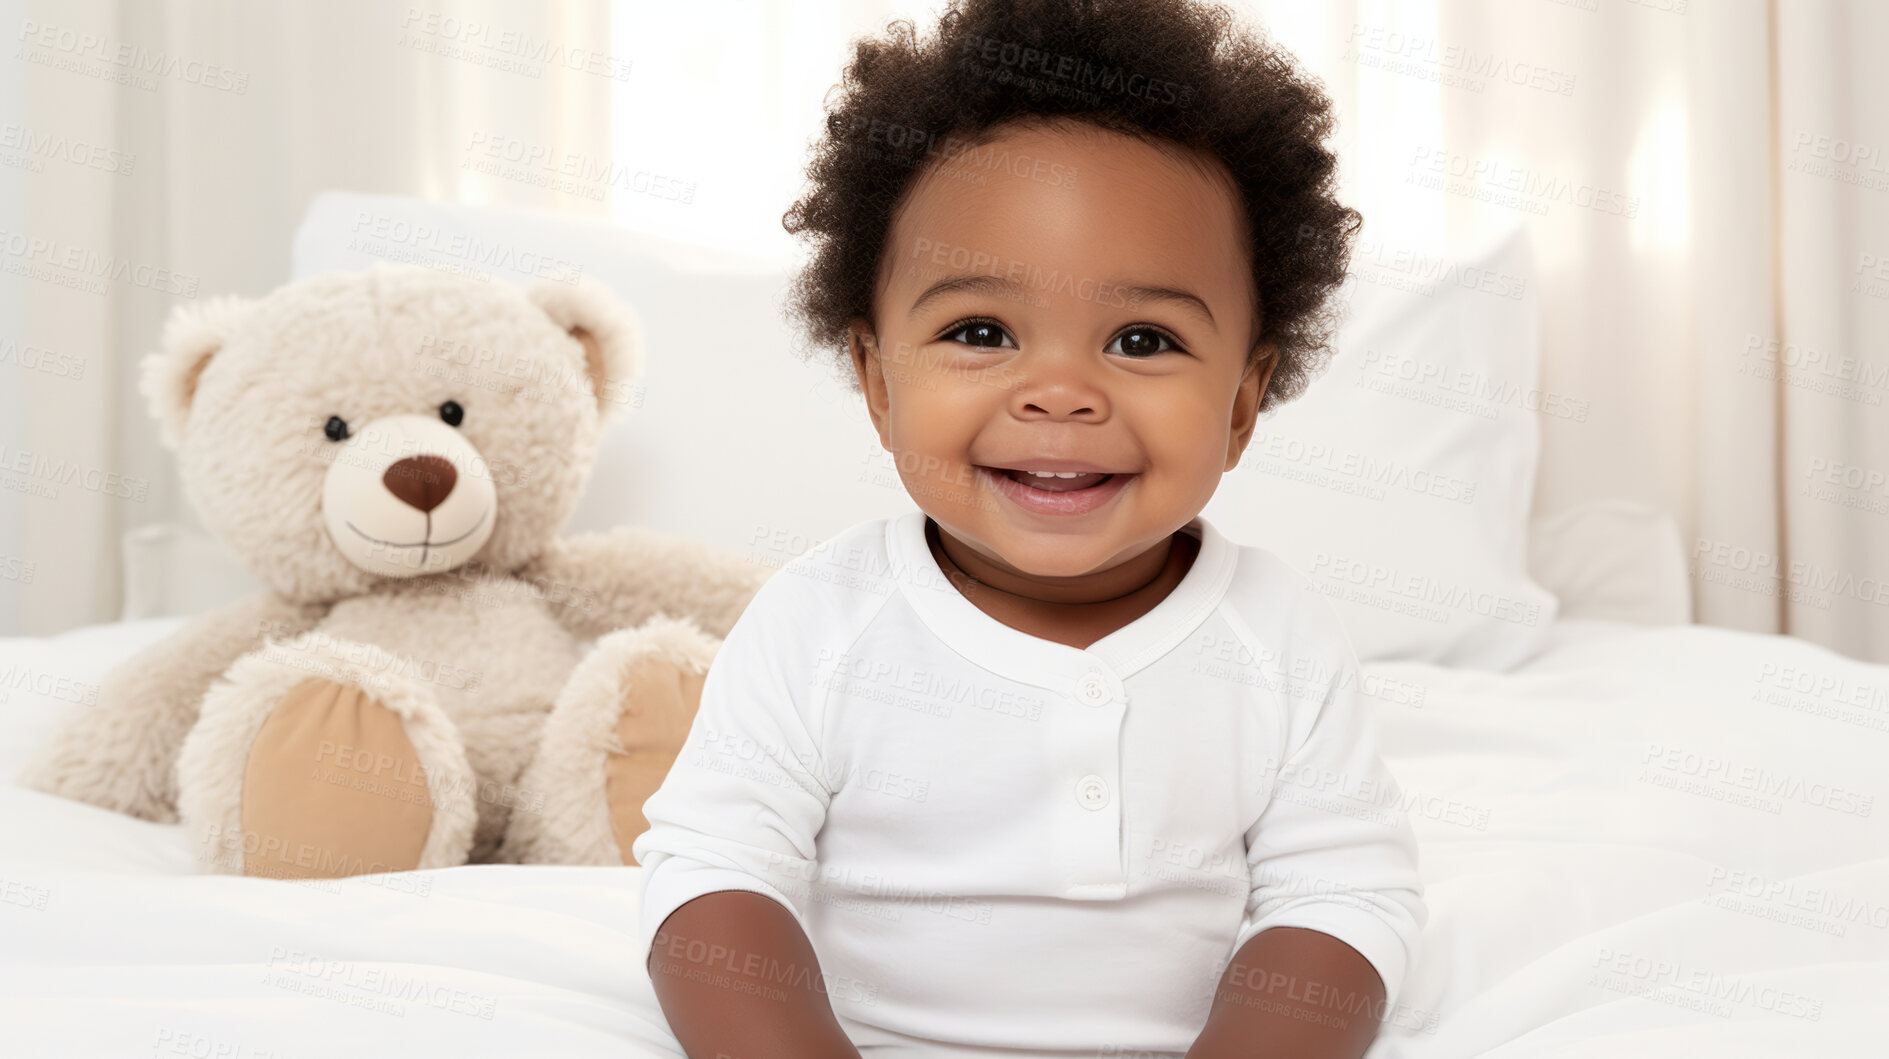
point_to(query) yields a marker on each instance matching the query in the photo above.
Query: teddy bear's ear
(609, 331)
(193, 334)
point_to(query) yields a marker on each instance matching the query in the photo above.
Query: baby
(1049, 766)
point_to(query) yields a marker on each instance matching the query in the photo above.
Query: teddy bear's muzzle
(408, 495)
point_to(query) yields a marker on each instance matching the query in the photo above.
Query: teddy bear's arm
(600, 582)
(120, 752)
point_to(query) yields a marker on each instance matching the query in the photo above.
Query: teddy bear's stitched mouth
(421, 544)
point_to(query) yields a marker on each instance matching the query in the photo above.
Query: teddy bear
(432, 675)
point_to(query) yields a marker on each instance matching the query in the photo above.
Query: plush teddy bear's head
(390, 423)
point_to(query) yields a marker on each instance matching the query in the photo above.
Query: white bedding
(1581, 904)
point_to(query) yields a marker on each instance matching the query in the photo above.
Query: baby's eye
(1146, 342)
(984, 334)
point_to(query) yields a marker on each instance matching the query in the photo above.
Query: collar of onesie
(1094, 673)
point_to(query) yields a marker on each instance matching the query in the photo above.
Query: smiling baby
(1049, 765)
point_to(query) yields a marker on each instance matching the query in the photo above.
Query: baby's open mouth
(1054, 481)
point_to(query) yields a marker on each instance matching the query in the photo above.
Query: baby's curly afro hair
(1168, 71)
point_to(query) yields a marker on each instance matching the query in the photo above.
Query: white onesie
(1003, 845)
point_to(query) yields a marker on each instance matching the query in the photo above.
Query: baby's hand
(716, 965)
(1306, 994)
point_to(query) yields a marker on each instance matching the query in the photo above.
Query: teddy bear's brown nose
(421, 481)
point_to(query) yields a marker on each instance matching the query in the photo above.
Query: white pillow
(1401, 480)
(1613, 560)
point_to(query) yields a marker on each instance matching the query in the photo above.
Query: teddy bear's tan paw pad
(659, 705)
(333, 787)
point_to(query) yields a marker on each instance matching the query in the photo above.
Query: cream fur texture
(574, 826)
(216, 750)
(474, 658)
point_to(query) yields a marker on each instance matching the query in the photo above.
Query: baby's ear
(609, 331)
(194, 332)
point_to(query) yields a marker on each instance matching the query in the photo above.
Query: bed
(1643, 842)
(1639, 836)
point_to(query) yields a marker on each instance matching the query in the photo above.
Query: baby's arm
(719, 964)
(1336, 904)
(1293, 992)
(731, 846)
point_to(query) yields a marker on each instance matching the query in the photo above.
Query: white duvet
(1646, 842)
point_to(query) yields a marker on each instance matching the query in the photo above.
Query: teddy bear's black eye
(337, 429)
(452, 413)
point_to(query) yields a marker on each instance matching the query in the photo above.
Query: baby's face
(1069, 300)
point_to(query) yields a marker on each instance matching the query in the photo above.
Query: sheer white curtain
(728, 98)
(1705, 186)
